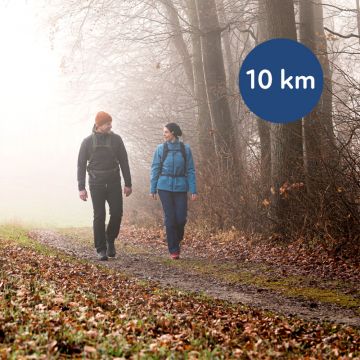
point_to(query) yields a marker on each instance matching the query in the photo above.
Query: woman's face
(168, 136)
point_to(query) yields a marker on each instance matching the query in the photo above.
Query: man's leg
(115, 200)
(168, 205)
(180, 199)
(98, 197)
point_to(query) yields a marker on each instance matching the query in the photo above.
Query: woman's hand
(154, 196)
(194, 197)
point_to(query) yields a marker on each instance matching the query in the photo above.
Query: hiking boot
(111, 251)
(102, 255)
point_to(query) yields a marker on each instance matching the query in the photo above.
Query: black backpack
(107, 145)
(165, 154)
(96, 174)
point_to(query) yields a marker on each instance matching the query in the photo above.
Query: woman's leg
(180, 214)
(168, 204)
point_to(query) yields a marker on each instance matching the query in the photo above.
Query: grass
(55, 308)
(249, 274)
(19, 235)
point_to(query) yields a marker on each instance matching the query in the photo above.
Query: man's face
(105, 128)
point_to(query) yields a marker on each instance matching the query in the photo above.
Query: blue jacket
(174, 166)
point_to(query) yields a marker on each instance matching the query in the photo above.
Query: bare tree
(358, 17)
(215, 79)
(263, 126)
(178, 40)
(312, 126)
(206, 139)
(286, 139)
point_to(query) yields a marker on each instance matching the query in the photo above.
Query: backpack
(102, 173)
(107, 145)
(165, 154)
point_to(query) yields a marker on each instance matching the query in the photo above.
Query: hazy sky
(42, 126)
(41, 131)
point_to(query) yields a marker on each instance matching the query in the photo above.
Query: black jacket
(102, 162)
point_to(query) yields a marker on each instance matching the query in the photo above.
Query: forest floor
(286, 279)
(304, 301)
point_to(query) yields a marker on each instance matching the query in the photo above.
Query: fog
(51, 90)
(61, 62)
(41, 130)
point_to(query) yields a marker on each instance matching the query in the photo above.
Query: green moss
(249, 275)
(289, 287)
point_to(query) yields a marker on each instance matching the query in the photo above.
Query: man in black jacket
(102, 154)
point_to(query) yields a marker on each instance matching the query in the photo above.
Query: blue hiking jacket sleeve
(155, 169)
(171, 176)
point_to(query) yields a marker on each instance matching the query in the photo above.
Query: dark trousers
(113, 195)
(175, 211)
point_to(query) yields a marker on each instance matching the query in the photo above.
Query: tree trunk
(215, 79)
(179, 40)
(312, 126)
(327, 128)
(286, 139)
(263, 126)
(240, 125)
(206, 138)
(358, 17)
(227, 47)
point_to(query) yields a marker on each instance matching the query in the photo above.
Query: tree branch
(340, 35)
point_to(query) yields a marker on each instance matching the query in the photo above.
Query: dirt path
(153, 264)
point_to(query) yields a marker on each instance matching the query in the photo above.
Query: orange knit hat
(102, 118)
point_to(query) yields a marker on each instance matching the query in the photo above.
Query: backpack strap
(165, 154)
(183, 152)
(107, 145)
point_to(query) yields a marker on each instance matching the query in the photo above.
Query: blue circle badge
(281, 80)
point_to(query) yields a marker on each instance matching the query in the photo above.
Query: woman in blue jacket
(172, 176)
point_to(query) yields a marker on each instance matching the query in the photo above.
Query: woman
(172, 176)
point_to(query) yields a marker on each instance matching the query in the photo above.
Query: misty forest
(267, 265)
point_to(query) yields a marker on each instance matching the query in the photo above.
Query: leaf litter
(53, 306)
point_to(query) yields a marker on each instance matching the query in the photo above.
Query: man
(101, 154)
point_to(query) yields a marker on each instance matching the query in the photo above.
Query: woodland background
(178, 60)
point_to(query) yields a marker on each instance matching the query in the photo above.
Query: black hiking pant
(112, 194)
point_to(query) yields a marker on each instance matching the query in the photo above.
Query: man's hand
(194, 197)
(154, 196)
(127, 191)
(83, 195)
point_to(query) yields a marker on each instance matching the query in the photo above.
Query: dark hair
(174, 128)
